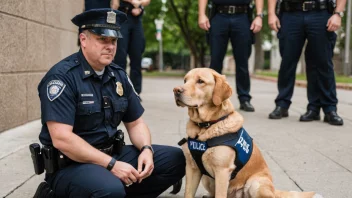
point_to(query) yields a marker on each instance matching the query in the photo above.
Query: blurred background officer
(315, 21)
(232, 21)
(133, 42)
(83, 99)
(94, 4)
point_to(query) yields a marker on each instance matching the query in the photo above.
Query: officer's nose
(178, 91)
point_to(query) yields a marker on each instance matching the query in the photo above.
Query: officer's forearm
(145, 2)
(79, 150)
(115, 4)
(340, 5)
(259, 6)
(271, 6)
(74, 146)
(139, 133)
(202, 5)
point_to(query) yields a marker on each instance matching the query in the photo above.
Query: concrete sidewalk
(302, 156)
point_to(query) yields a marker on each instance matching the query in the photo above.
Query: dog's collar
(208, 124)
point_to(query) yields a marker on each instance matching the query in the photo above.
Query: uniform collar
(87, 69)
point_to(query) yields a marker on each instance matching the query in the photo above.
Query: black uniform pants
(90, 180)
(236, 28)
(296, 27)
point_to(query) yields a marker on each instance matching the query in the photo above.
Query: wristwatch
(147, 147)
(341, 14)
(261, 15)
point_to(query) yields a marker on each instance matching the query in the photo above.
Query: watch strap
(147, 147)
(111, 164)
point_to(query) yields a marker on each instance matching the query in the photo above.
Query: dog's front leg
(222, 177)
(193, 176)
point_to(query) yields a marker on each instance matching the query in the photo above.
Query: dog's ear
(222, 89)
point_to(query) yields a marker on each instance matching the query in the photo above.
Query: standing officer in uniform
(316, 21)
(133, 42)
(232, 21)
(83, 99)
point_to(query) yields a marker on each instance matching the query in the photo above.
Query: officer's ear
(222, 89)
(83, 37)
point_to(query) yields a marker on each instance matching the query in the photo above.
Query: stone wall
(34, 35)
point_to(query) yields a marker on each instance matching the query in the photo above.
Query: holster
(211, 13)
(331, 6)
(278, 7)
(52, 160)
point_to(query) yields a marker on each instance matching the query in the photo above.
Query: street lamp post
(347, 64)
(159, 26)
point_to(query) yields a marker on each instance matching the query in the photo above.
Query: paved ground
(301, 156)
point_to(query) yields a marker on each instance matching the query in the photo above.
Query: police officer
(315, 21)
(133, 43)
(83, 99)
(232, 21)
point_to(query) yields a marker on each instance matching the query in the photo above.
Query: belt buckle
(304, 8)
(232, 9)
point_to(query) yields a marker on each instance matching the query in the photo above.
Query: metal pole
(161, 61)
(347, 66)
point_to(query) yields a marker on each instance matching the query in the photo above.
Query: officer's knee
(111, 190)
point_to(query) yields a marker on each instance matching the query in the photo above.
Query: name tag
(197, 145)
(88, 102)
(87, 95)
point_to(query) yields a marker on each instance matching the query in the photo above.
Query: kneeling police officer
(83, 100)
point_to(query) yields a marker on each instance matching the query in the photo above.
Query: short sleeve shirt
(72, 93)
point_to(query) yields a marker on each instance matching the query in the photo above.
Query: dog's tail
(294, 194)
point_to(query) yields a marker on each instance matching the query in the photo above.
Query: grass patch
(164, 74)
(339, 78)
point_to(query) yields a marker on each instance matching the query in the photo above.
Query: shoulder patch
(129, 80)
(55, 89)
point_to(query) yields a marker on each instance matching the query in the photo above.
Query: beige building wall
(34, 35)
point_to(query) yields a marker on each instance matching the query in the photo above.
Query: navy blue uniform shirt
(231, 2)
(72, 93)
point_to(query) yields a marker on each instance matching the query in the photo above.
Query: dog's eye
(200, 81)
(184, 81)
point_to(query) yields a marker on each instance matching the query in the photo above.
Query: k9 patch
(55, 89)
(244, 146)
(195, 145)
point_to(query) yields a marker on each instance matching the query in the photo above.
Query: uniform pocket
(119, 108)
(88, 116)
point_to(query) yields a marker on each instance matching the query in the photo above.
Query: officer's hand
(257, 24)
(203, 22)
(274, 22)
(126, 172)
(135, 3)
(334, 23)
(145, 164)
(136, 11)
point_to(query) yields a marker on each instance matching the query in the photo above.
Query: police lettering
(197, 146)
(244, 144)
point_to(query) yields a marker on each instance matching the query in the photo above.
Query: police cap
(102, 21)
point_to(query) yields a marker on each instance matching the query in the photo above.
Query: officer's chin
(106, 61)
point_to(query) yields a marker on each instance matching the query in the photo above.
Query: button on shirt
(72, 93)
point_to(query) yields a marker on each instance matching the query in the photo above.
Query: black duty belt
(303, 6)
(232, 9)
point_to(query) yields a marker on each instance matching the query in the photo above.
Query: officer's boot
(44, 191)
(176, 187)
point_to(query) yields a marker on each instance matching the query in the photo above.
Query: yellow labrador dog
(234, 170)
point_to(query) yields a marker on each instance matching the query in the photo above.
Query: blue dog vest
(241, 142)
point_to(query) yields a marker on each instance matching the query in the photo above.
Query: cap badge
(111, 17)
(119, 89)
(87, 72)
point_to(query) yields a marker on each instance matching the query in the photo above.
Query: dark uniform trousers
(133, 44)
(90, 180)
(296, 27)
(236, 28)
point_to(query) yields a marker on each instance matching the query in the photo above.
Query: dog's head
(202, 87)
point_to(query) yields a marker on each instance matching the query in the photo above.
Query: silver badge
(86, 72)
(111, 17)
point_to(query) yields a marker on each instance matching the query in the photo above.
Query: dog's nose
(178, 91)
